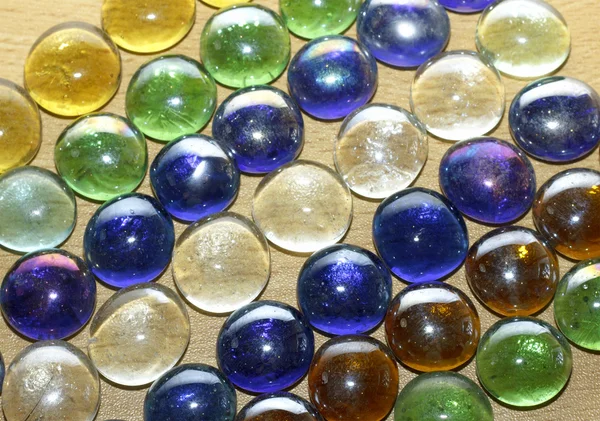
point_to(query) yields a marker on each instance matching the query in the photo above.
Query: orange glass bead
(432, 327)
(353, 377)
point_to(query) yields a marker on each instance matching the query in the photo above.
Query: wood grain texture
(22, 21)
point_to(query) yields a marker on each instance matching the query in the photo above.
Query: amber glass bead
(219, 4)
(432, 327)
(566, 211)
(353, 377)
(512, 271)
(72, 69)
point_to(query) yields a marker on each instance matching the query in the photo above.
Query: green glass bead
(101, 156)
(442, 395)
(577, 304)
(171, 96)
(245, 45)
(315, 18)
(523, 361)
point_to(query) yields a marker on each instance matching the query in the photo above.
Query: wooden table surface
(22, 21)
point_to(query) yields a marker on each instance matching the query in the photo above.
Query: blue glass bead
(129, 240)
(466, 6)
(344, 289)
(488, 180)
(262, 126)
(279, 406)
(420, 235)
(48, 294)
(194, 177)
(265, 346)
(191, 392)
(556, 119)
(332, 76)
(403, 33)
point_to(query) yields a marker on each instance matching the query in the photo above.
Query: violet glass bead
(194, 177)
(466, 6)
(403, 33)
(488, 180)
(344, 289)
(332, 76)
(262, 126)
(420, 235)
(265, 346)
(48, 294)
(129, 240)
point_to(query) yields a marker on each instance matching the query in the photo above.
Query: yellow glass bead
(148, 26)
(20, 126)
(73, 69)
(219, 4)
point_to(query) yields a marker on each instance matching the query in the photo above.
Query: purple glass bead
(488, 180)
(194, 177)
(332, 76)
(466, 6)
(48, 294)
(403, 33)
(265, 346)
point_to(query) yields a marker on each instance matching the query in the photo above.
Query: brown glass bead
(353, 377)
(278, 406)
(566, 211)
(512, 271)
(432, 327)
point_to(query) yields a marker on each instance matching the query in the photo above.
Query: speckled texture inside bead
(316, 18)
(278, 406)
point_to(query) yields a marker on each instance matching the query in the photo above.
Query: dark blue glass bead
(332, 76)
(403, 33)
(129, 240)
(466, 6)
(262, 126)
(488, 180)
(191, 392)
(194, 177)
(278, 406)
(265, 346)
(344, 289)
(48, 294)
(556, 119)
(420, 235)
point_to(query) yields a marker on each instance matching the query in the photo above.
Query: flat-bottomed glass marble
(278, 406)
(316, 18)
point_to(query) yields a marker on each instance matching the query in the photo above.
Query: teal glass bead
(245, 45)
(171, 96)
(316, 18)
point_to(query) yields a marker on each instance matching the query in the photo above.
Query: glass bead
(488, 180)
(420, 235)
(566, 211)
(577, 304)
(332, 76)
(303, 206)
(403, 33)
(265, 346)
(466, 6)
(353, 377)
(148, 26)
(171, 96)
(51, 380)
(101, 156)
(20, 126)
(344, 289)
(522, 361)
(556, 119)
(316, 18)
(262, 126)
(380, 149)
(2, 372)
(457, 95)
(278, 406)
(191, 392)
(139, 334)
(73, 69)
(432, 327)
(194, 177)
(245, 45)
(221, 263)
(523, 38)
(224, 3)
(37, 209)
(512, 271)
(49, 294)
(129, 240)
(445, 396)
